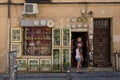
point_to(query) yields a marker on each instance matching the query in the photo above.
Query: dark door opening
(84, 36)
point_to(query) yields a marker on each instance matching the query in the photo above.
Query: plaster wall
(58, 13)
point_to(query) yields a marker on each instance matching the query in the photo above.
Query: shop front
(43, 47)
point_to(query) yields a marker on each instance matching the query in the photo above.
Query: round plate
(50, 23)
(91, 25)
(73, 25)
(79, 25)
(43, 22)
(68, 25)
(67, 19)
(36, 22)
(74, 19)
(79, 19)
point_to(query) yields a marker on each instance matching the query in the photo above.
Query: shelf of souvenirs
(43, 37)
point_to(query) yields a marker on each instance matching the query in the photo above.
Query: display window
(33, 64)
(22, 64)
(37, 41)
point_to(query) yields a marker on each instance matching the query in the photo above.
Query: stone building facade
(83, 18)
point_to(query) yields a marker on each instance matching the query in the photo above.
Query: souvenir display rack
(37, 41)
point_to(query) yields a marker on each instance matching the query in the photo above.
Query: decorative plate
(73, 25)
(68, 25)
(85, 19)
(90, 36)
(74, 19)
(91, 25)
(79, 19)
(79, 25)
(43, 22)
(50, 23)
(36, 22)
(68, 20)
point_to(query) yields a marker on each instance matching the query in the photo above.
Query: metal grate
(29, 8)
(102, 23)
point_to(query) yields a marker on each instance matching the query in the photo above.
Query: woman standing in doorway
(79, 55)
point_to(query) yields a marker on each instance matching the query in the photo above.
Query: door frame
(86, 38)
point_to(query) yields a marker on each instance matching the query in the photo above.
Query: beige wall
(58, 13)
(86, 0)
(22, 1)
(3, 38)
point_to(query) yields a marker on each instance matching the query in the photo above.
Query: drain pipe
(8, 40)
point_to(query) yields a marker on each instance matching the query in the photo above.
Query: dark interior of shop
(84, 36)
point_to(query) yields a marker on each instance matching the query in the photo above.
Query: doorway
(84, 36)
(101, 42)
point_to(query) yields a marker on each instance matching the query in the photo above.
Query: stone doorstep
(90, 69)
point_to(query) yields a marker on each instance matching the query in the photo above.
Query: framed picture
(33, 64)
(22, 64)
(66, 58)
(16, 47)
(45, 64)
(56, 59)
(15, 34)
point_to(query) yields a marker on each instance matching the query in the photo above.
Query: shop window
(37, 41)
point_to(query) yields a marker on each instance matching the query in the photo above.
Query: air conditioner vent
(30, 8)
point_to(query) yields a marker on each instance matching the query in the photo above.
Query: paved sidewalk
(63, 76)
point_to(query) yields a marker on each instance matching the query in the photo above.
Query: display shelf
(38, 41)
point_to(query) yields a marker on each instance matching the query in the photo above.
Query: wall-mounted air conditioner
(30, 8)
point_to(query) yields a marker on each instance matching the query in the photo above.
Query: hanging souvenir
(74, 19)
(50, 23)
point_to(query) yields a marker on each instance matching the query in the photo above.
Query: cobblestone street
(63, 76)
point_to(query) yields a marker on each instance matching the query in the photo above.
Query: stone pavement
(63, 76)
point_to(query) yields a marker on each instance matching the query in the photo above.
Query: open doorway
(84, 36)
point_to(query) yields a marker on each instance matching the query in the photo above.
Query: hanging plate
(50, 23)
(73, 25)
(68, 20)
(68, 25)
(43, 22)
(79, 19)
(74, 19)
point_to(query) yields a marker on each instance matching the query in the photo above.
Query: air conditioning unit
(30, 8)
